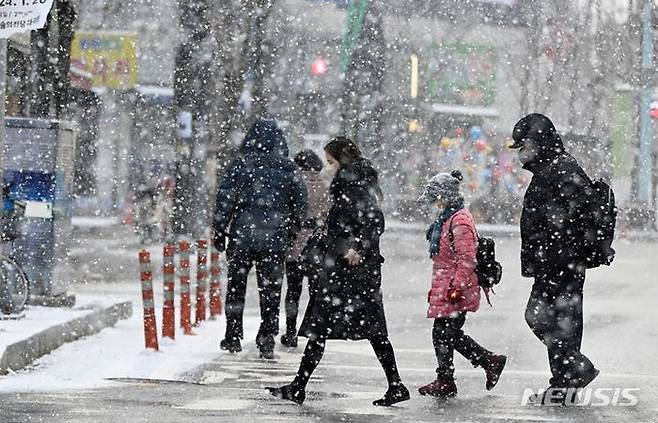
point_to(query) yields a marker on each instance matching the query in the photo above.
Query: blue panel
(30, 185)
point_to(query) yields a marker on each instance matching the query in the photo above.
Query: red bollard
(146, 276)
(201, 276)
(168, 307)
(215, 288)
(185, 305)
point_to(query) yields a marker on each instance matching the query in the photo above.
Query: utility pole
(646, 154)
(191, 80)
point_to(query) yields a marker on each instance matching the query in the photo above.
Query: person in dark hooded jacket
(556, 219)
(347, 303)
(260, 207)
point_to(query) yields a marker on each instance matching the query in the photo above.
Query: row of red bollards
(169, 276)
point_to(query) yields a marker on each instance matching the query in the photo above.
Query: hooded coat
(557, 211)
(262, 199)
(348, 303)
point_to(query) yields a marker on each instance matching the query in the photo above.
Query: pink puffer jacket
(454, 266)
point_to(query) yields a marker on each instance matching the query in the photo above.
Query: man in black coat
(556, 221)
(260, 206)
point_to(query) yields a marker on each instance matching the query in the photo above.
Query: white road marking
(216, 404)
(521, 417)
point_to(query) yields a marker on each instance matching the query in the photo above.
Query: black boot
(266, 347)
(231, 345)
(551, 396)
(585, 379)
(289, 340)
(493, 366)
(289, 392)
(396, 393)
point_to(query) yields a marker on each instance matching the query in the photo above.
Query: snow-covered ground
(620, 336)
(118, 353)
(35, 320)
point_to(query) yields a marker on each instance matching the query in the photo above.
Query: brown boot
(442, 387)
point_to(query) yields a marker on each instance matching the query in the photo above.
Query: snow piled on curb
(36, 319)
(117, 353)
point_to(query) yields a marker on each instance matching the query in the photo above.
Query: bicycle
(14, 286)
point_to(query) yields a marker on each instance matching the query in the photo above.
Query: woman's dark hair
(307, 160)
(344, 150)
(351, 160)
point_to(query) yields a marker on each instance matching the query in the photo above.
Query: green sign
(623, 131)
(460, 74)
(356, 14)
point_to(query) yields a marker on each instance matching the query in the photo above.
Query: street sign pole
(3, 133)
(646, 152)
(3, 90)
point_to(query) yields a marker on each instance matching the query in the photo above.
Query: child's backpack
(488, 270)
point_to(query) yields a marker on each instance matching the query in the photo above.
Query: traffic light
(319, 67)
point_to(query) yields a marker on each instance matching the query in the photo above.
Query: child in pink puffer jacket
(455, 290)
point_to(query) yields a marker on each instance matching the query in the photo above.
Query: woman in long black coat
(348, 302)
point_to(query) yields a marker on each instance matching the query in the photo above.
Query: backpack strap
(451, 236)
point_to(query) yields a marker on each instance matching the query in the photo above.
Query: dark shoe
(288, 392)
(586, 378)
(551, 396)
(266, 353)
(442, 387)
(396, 393)
(493, 366)
(266, 346)
(289, 341)
(231, 345)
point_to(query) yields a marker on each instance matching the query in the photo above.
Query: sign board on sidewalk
(22, 15)
(184, 129)
(110, 58)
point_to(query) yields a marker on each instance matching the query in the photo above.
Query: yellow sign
(414, 126)
(111, 58)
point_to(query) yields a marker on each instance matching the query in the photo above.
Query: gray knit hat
(442, 185)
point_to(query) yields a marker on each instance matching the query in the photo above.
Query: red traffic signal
(319, 67)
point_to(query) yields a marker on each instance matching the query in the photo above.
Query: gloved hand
(219, 241)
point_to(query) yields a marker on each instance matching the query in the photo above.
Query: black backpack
(599, 237)
(488, 270)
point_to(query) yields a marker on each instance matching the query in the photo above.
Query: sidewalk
(511, 231)
(40, 330)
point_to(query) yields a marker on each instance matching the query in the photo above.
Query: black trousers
(555, 315)
(269, 273)
(447, 336)
(315, 349)
(294, 279)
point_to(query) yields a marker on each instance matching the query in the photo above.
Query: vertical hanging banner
(22, 15)
(356, 14)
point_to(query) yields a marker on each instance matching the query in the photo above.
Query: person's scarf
(434, 231)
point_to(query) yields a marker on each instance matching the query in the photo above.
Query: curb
(22, 353)
(503, 231)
